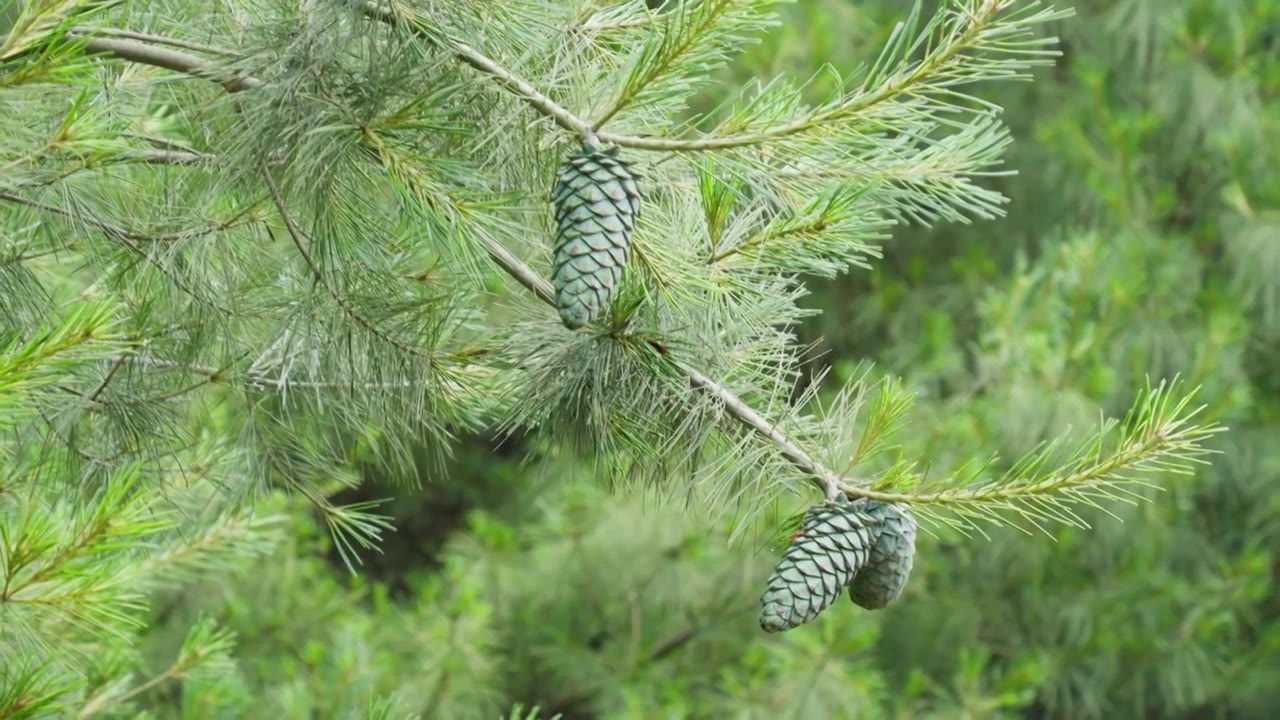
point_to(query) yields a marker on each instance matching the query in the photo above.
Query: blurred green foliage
(1142, 239)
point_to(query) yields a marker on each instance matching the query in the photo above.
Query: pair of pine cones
(866, 546)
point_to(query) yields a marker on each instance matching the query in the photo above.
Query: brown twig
(115, 368)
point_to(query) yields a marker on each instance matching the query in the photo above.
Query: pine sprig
(825, 237)
(233, 538)
(32, 689)
(886, 417)
(616, 18)
(206, 650)
(970, 41)
(62, 565)
(686, 45)
(40, 19)
(432, 196)
(354, 526)
(31, 367)
(1047, 485)
(359, 318)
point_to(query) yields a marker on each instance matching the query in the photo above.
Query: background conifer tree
(258, 252)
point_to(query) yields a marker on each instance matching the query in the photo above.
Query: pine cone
(597, 204)
(833, 544)
(892, 556)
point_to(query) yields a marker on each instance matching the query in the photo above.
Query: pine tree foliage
(1136, 153)
(1160, 614)
(241, 241)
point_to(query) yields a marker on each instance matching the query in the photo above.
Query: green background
(1142, 239)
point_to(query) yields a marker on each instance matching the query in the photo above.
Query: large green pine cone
(833, 544)
(892, 557)
(597, 204)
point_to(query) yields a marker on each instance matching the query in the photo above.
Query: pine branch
(447, 382)
(205, 648)
(966, 36)
(1015, 495)
(33, 687)
(31, 365)
(128, 235)
(131, 240)
(161, 157)
(260, 381)
(149, 156)
(47, 557)
(143, 54)
(109, 229)
(824, 237)
(694, 39)
(42, 18)
(1157, 436)
(170, 60)
(345, 303)
(232, 538)
(88, 32)
(469, 55)
(825, 479)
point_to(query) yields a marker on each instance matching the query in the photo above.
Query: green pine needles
(243, 242)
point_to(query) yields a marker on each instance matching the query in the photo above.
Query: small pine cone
(833, 544)
(597, 204)
(892, 556)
